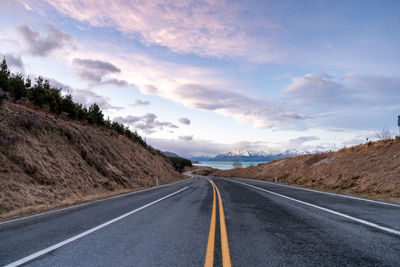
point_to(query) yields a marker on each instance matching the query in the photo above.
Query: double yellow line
(226, 257)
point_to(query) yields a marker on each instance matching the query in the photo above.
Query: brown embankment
(369, 170)
(47, 162)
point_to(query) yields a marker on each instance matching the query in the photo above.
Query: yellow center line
(211, 236)
(226, 258)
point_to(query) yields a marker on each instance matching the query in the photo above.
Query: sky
(203, 77)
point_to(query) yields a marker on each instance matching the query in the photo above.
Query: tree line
(180, 163)
(48, 98)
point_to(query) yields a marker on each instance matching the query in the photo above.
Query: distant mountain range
(248, 155)
(201, 158)
(170, 154)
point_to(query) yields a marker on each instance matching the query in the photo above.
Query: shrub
(237, 164)
(385, 134)
(28, 122)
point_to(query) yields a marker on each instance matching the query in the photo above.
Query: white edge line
(322, 192)
(393, 231)
(69, 240)
(90, 202)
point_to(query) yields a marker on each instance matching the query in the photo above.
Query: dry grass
(201, 170)
(369, 170)
(46, 162)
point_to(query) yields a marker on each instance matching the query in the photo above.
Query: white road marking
(91, 202)
(69, 240)
(386, 229)
(329, 193)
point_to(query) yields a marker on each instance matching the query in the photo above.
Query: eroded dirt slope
(46, 161)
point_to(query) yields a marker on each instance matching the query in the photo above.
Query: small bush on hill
(385, 134)
(28, 122)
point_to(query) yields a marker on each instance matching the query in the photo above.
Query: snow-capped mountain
(245, 153)
(252, 155)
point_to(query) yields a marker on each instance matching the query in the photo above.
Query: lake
(225, 165)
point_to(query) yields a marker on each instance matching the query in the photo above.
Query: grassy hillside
(48, 160)
(369, 170)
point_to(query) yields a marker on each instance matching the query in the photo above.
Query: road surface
(207, 221)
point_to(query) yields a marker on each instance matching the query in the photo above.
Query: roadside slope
(369, 170)
(47, 161)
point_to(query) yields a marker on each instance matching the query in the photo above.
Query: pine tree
(4, 76)
(37, 93)
(17, 86)
(95, 115)
(69, 107)
(28, 83)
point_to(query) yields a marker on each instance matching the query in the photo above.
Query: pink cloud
(205, 28)
(263, 113)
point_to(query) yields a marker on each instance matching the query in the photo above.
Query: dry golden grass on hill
(47, 162)
(368, 170)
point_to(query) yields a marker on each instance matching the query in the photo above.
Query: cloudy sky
(203, 77)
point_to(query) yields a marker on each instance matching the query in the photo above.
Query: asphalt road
(217, 221)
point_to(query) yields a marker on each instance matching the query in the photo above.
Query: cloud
(196, 148)
(184, 121)
(39, 45)
(311, 87)
(186, 137)
(199, 88)
(85, 97)
(13, 60)
(128, 119)
(372, 89)
(66, 89)
(139, 102)
(149, 89)
(97, 65)
(346, 101)
(206, 28)
(359, 139)
(347, 89)
(120, 83)
(97, 72)
(239, 106)
(182, 84)
(148, 123)
(26, 6)
(303, 139)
